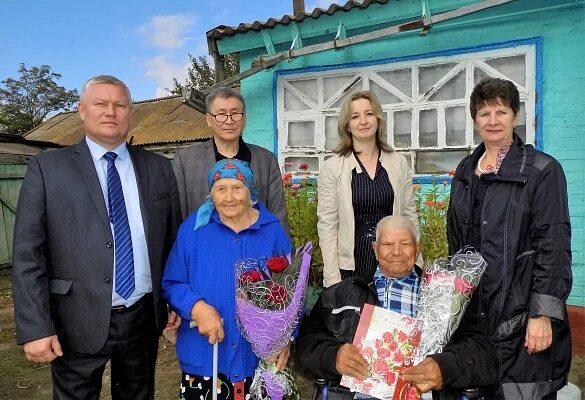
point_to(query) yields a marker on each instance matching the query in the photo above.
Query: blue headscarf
(227, 168)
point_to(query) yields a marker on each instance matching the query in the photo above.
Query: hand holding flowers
(269, 303)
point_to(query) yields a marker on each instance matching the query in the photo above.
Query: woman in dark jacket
(510, 202)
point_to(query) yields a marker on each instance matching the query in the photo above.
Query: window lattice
(425, 102)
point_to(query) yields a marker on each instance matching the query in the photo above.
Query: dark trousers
(131, 347)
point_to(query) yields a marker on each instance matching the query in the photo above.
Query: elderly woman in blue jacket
(199, 281)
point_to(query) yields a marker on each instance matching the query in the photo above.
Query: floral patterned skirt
(195, 387)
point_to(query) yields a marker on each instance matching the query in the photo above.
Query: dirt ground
(21, 380)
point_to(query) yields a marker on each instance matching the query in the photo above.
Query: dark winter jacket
(467, 361)
(525, 239)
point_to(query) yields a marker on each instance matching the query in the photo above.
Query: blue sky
(144, 43)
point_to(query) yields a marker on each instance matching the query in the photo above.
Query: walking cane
(214, 381)
(193, 324)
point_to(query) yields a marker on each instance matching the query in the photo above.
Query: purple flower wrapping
(269, 331)
(267, 318)
(274, 388)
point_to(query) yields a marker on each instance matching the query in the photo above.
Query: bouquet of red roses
(445, 291)
(268, 283)
(270, 296)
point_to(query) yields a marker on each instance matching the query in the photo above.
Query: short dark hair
(492, 90)
(224, 93)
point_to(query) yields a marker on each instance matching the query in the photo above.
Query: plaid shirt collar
(399, 295)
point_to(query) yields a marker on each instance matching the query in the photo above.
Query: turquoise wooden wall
(557, 28)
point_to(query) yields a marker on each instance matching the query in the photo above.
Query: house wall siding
(560, 80)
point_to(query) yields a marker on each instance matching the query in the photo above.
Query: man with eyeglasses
(226, 117)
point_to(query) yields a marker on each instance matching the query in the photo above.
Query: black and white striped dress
(372, 200)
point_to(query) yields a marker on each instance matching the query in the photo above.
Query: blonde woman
(362, 183)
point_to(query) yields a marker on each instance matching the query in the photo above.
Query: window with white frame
(425, 103)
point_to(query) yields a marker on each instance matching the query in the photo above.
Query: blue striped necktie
(124, 263)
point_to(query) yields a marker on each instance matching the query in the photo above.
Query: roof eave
(225, 32)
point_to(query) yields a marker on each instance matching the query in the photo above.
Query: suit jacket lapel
(209, 155)
(90, 178)
(142, 180)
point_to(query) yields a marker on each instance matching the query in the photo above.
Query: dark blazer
(192, 164)
(63, 257)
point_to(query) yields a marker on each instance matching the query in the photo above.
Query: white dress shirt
(143, 280)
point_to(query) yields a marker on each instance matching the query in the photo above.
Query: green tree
(26, 101)
(201, 72)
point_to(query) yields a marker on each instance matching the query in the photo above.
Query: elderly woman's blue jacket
(202, 267)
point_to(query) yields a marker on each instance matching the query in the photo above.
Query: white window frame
(316, 111)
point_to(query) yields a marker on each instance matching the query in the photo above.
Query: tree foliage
(26, 101)
(201, 72)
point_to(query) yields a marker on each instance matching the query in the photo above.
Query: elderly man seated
(324, 346)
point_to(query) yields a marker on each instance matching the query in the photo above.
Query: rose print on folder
(388, 341)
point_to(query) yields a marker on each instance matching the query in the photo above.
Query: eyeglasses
(221, 118)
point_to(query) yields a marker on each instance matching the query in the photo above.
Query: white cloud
(161, 70)
(168, 31)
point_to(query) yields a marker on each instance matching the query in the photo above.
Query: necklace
(483, 171)
(499, 159)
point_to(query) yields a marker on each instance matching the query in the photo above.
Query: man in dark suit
(94, 225)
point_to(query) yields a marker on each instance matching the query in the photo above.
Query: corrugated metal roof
(163, 120)
(227, 31)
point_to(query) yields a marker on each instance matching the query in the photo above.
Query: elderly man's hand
(208, 321)
(425, 376)
(538, 335)
(43, 350)
(350, 362)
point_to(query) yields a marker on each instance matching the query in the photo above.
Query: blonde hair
(346, 141)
